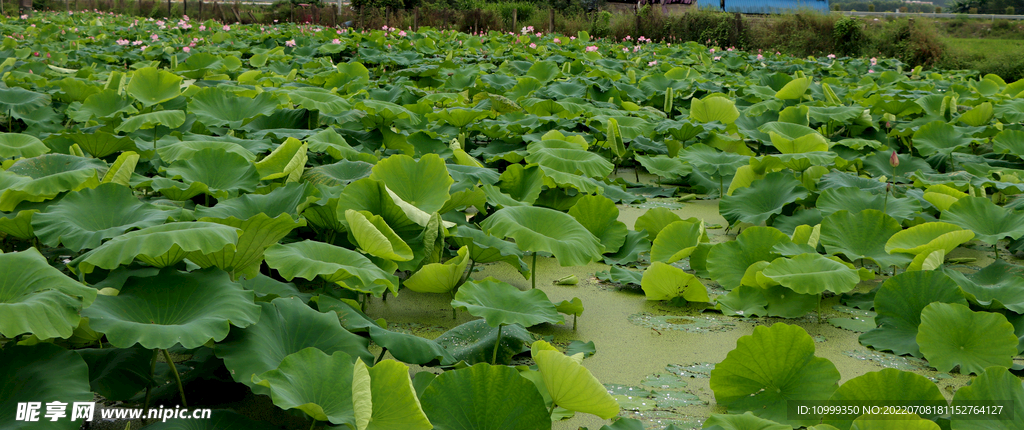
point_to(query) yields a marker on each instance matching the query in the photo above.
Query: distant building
(766, 6)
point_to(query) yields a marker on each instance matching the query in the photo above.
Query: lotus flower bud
(894, 161)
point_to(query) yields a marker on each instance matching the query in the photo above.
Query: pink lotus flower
(831, 56)
(874, 61)
(557, 41)
(591, 48)
(712, 50)
(572, 37)
(626, 50)
(718, 58)
(402, 33)
(202, 28)
(336, 41)
(760, 57)
(894, 161)
(122, 42)
(533, 46)
(871, 71)
(143, 47)
(186, 49)
(227, 27)
(159, 23)
(290, 43)
(652, 63)
(154, 37)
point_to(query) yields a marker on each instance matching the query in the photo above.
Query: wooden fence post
(551, 20)
(515, 18)
(200, 10)
(416, 19)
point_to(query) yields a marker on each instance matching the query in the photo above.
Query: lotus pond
(303, 227)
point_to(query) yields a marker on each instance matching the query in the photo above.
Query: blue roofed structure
(766, 6)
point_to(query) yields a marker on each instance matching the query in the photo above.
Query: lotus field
(301, 227)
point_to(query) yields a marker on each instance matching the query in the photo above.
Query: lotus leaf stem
(995, 250)
(494, 355)
(533, 276)
(552, 410)
(314, 425)
(152, 369)
(380, 357)
(177, 377)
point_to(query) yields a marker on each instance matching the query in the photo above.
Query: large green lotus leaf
(484, 397)
(290, 199)
(728, 261)
(665, 282)
(794, 89)
(743, 301)
(38, 299)
(769, 368)
(712, 161)
(893, 422)
(103, 104)
(395, 405)
(350, 269)
(484, 248)
(899, 386)
(600, 216)
(656, 219)
(83, 219)
(216, 107)
(375, 237)
(42, 178)
(791, 138)
(286, 161)
(953, 334)
(409, 348)
(440, 277)
(225, 174)
(19, 102)
(989, 222)
(18, 145)
(812, 274)
(285, 326)
(220, 419)
(715, 108)
(42, 373)
(118, 373)
(424, 183)
(100, 143)
(473, 342)
(746, 421)
(677, 241)
(177, 190)
(786, 303)
(188, 149)
(167, 118)
(762, 199)
(343, 172)
(370, 195)
(258, 232)
(151, 85)
(540, 229)
(319, 99)
(998, 286)
(500, 303)
(571, 385)
(899, 302)
(843, 232)
(572, 161)
(523, 184)
(995, 384)
(18, 224)
(325, 387)
(160, 246)
(1009, 142)
(636, 244)
(664, 166)
(928, 237)
(171, 308)
(854, 200)
(979, 115)
(938, 137)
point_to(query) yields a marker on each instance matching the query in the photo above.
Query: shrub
(847, 36)
(601, 24)
(503, 11)
(938, 9)
(973, 11)
(904, 9)
(1010, 10)
(871, 7)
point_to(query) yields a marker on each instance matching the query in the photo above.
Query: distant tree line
(952, 6)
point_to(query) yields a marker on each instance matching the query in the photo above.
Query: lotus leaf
(572, 161)
(16, 145)
(677, 241)
(325, 387)
(484, 397)
(893, 422)
(952, 334)
(220, 419)
(540, 229)
(500, 304)
(812, 274)
(938, 137)
(374, 237)
(993, 386)
(997, 286)
(172, 308)
(770, 367)
(842, 232)
(38, 299)
(258, 232)
(286, 326)
(855, 199)
(146, 121)
(343, 172)
(571, 385)
(20, 102)
(370, 195)
(900, 386)
(223, 173)
(83, 219)
(287, 161)
(484, 248)
(42, 178)
(423, 184)
(989, 222)
(746, 421)
(473, 342)
(152, 86)
(159, 246)
(713, 108)
(728, 261)
(763, 199)
(43, 371)
(309, 259)
(100, 143)
(116, 373)
(440, 277)
(409, 348)
(599, 215)
(927, 237)
(394, 400)
(121, 170)
(663, 166)
(216, 107)
(899, 302)
(665, 282)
